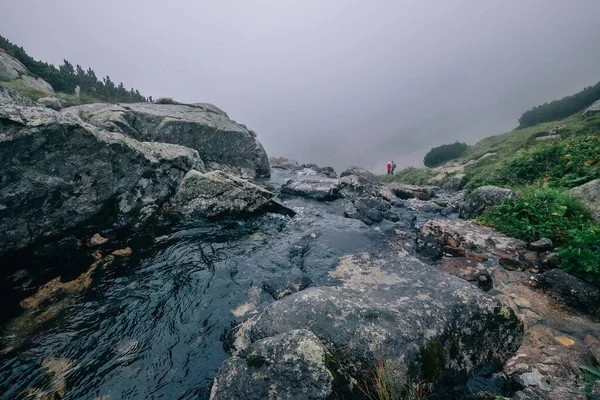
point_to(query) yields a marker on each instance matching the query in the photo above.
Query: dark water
(150, 326)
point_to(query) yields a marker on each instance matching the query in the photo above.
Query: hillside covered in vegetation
(543, 170)
(67, 77)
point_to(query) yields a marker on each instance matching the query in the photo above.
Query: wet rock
(428, 331)
(329, 172)
(541, 245)
(126, 252)
(314, 187)
(220, 141)
(455, 183)
(483, 197)
(570, 291)
(589, 195)
(468, 270)
(214, 194)
(98, 240)
(549, 261)
(284, 163)
(58, 172)
(370, 210)
(360, 180)
(292, 365)
(411, 191)
(469, 236)
(52, 102)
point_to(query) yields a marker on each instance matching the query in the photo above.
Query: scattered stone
(370, 210)
(98, 240)
(509, 264)
(481, 198)
(541, 245)
(291, 365)
(548, 261)
(126, 252)
(455, 183)
(589, 339)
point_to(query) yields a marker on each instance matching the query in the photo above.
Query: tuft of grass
(24, 90)
(384, 386)
(411, 176)
(71, 98)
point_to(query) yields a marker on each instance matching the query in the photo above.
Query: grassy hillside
(542, 172)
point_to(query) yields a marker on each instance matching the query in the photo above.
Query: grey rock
(423, 323)
(571, 291)
(549, 261)
(455, 183)
(592, 110)
(57, 172)
(37, 84)
(287, 366)
(589, 195)
(10, 67)
(52, 102)
(217, 194)
(12, 97)
(481, 198)
(541, 245)
(314, 187)
(220, 141)
(370, 210)
(412, 191)
(210, 108)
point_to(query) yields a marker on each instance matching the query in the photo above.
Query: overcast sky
(336, 82)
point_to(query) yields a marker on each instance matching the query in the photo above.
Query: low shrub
(539, 212)
(581, 254)
(166, 100)
(446, 152)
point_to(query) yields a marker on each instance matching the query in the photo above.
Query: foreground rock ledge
(423, 323)
(57, 172)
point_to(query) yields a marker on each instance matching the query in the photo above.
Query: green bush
(166, 100)
(581, 255)
(446, 152)
(539, 212)
(410, 176)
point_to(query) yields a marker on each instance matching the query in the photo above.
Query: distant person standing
(389, 168)
(393, 167)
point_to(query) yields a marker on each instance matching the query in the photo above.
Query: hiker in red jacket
(389, 168)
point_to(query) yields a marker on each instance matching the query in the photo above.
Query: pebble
(126, 252)
(97, 240)
(589, 339)
(565, 341)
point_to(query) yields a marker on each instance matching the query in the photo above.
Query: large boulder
(455, 183)
(481, 198)
(589, 195)
(592, 110)
(220, 141)
(37, 84)
(370, 210)
(218, 194)
(405, 192)
(360, 180)
(420, 323)
(287, 366)
(10, 67)
(57, 172)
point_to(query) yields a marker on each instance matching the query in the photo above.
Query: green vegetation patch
(23, 89)
(410, 176)
(444, 153)
(433, 360)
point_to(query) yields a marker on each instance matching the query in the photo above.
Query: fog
(336, 82)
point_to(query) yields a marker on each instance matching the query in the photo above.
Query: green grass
(24, 90)
(411, 176)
